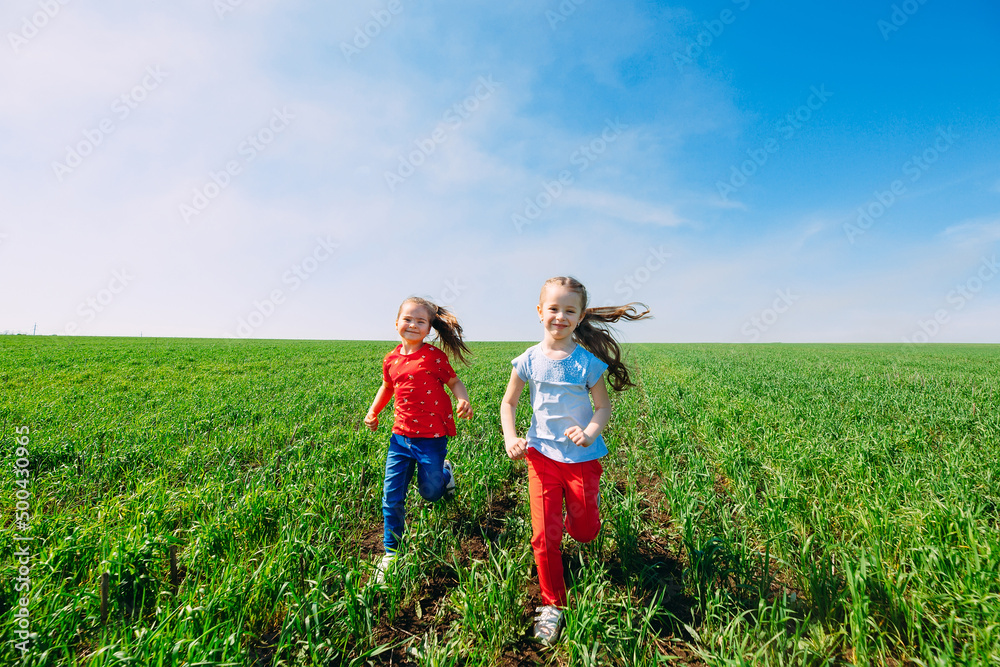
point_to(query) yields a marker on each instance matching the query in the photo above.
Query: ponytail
(596, 336)
(447, 328)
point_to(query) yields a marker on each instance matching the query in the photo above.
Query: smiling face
(413, 323)
(561, 310)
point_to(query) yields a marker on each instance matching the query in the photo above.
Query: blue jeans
(427, 454)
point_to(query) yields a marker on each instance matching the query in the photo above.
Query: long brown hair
(594, 333)
(445, 324)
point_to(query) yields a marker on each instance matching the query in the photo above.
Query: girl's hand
(371, 421)
(579, 436)
(516, 448)
(463, 409)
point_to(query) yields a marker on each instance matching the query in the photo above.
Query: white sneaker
(383, 566)
(548, 623)
(449, 489)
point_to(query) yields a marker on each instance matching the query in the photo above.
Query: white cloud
(620, 207)
(974, 233)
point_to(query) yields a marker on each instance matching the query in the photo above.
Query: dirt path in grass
(655, 569)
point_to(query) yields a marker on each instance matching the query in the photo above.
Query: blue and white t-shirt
(560, 398)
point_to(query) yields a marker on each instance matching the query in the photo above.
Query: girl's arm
(585, 437)
(382, 398)
(516, 447)
(463, 408)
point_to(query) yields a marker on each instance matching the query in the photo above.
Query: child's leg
(583, 517)
(545, 490)
(432, 478)
(399, 464)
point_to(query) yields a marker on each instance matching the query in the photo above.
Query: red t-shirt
(423, 408)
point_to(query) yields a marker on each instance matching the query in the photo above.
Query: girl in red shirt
(416, 374)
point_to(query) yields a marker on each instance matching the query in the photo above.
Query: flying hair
(594, 333)
(445, 325)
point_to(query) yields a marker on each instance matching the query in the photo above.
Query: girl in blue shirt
(564, 372)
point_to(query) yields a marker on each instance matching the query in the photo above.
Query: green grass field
(762, 505)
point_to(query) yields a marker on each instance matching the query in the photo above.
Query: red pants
(549, 482)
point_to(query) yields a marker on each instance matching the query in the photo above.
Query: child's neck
(410, 348)
(558, 347)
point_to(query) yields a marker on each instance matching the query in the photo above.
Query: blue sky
(752, 172)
